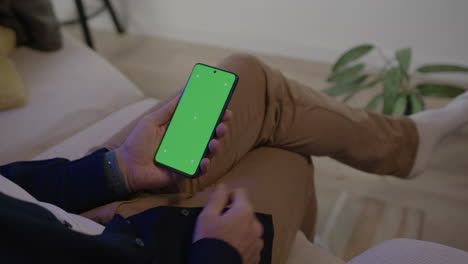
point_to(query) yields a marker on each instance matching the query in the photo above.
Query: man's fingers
(257, 228)
(227, 115)
(259, 247)
(240, 201)
(205, 165)
(217, 201)
(213, 146)
(221, 130)
(252, 256)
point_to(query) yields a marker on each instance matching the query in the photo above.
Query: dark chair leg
(84, 23)
(118, 25)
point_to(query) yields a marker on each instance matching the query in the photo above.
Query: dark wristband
(115, 177)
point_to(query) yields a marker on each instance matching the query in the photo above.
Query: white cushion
(68, 90)
(410, 251)
(79, 144)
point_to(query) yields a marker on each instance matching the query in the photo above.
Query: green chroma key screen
(205, 96)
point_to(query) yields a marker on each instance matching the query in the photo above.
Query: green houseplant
(399, 95)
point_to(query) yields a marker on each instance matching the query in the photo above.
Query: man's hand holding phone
(135, 156)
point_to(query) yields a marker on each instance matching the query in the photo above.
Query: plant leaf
(391, 82)
(400, 105)
(346, 99)
(373, 83)
(417, 104)
(442, 68)
(374, 102)
(403, 57)
(346, 74)
(338, 89)
(351, 55)
(341, 88)
(439, 90)
(360, 88)
(353, 93)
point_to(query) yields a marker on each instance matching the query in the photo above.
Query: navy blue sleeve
(213, 251)
(75, 186)
(31, 234)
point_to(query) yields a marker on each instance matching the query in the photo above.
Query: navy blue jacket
(30, 233)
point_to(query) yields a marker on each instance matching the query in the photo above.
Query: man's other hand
(238, 226)
(136, 155)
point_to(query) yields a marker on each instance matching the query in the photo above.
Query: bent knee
(242, 58)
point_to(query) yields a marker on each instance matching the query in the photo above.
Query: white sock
(434, 125)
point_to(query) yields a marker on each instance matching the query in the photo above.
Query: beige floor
(160, 66)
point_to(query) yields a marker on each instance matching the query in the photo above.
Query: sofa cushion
(68, 91)
(410, 251)
(79, 144)
(7, 41)
(12, 93)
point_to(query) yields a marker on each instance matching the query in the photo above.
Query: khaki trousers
(278, 124)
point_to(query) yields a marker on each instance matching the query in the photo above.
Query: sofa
(77, 100)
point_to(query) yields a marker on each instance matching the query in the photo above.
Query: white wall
(312, 29)
(66, 10)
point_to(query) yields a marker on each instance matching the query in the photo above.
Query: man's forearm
(75, 186)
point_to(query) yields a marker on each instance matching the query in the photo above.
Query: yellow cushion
(12, 92)
(7, 40)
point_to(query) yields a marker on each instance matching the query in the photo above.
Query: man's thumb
(217, 201)
(240, 201)
(164, 114)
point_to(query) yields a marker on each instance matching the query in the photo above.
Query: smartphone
(192, 126)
